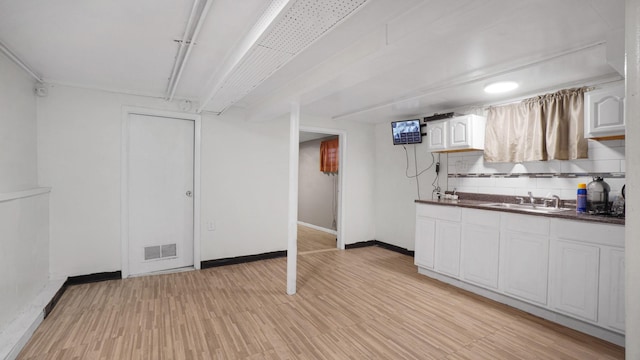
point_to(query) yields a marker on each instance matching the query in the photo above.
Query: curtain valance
(547, 127)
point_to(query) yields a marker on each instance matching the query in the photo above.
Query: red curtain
(329, 155)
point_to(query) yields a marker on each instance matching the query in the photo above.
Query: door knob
(189, 193)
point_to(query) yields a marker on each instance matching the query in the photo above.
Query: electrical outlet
(211, 226)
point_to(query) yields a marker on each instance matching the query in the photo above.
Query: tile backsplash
(604, 157)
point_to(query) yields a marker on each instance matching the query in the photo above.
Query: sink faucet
(532, 199)
(554, 198)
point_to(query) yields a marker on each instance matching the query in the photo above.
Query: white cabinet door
(447, 259)
(574, 277)
(524, 267)
(425, 242)
(480, 254)
(604, 112)
(612, 309)
(436, 135)
(455, 134)
(459, 132)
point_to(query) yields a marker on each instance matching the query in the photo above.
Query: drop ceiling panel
(482, 40)
(226, 24)
(297, 27)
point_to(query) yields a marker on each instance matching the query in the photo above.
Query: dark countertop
(569, 214)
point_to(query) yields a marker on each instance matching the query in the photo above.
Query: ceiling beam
(13, 57)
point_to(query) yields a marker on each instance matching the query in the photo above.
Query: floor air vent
(159, 251)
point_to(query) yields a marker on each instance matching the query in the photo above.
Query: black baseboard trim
(361, 244)
(395, 248)
(242, 259)
(54, 301)
(91, 278)
(381, 244)
(78, 280)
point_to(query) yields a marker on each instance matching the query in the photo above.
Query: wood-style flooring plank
(366, 303)
(314, 240)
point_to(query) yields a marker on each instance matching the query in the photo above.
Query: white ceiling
(391, 59)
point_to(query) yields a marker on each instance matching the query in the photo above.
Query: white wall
(245, 185)
(17, 129)
(358, 177)
(317, 192)
(24, 248)
(244, 180)
(632, 228)
(604, 156)
(395, 193)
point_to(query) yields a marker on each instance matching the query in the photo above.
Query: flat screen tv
(406, 132)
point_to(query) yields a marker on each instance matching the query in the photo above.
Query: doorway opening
(320, 175)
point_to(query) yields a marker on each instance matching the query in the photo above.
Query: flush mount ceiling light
(500, 87)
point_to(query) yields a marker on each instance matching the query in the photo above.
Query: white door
(160, 193)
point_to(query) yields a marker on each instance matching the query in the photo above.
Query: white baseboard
(16, 335)
(318, 228)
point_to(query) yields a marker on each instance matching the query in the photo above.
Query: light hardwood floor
(366, 303)
(314, 240)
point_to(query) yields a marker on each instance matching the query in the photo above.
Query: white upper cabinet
(437, 135)
(456, 134)
(604, 112)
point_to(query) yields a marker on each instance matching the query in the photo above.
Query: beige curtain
(548, 127)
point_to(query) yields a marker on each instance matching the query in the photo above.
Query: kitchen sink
(526, 207)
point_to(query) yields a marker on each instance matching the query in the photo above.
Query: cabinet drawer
(481, 217)
(605, 234)
(439, 212)
(526, 223)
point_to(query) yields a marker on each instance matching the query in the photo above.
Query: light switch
(211, 226)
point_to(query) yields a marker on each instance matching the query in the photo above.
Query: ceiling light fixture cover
(500, 87)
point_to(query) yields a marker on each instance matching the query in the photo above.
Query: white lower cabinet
(438, 238)
(574, 269)
(525, 262)
(587, 272)
(425, 242)
(570, 267)
(447, 259)
(612, 292)
(524, 259)
(480, 252)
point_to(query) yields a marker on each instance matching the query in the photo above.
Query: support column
(294, 148)
(632, 144)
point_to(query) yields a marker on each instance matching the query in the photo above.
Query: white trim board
(316, 227)
(124, 174)
(16, 335)
(24, 193)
